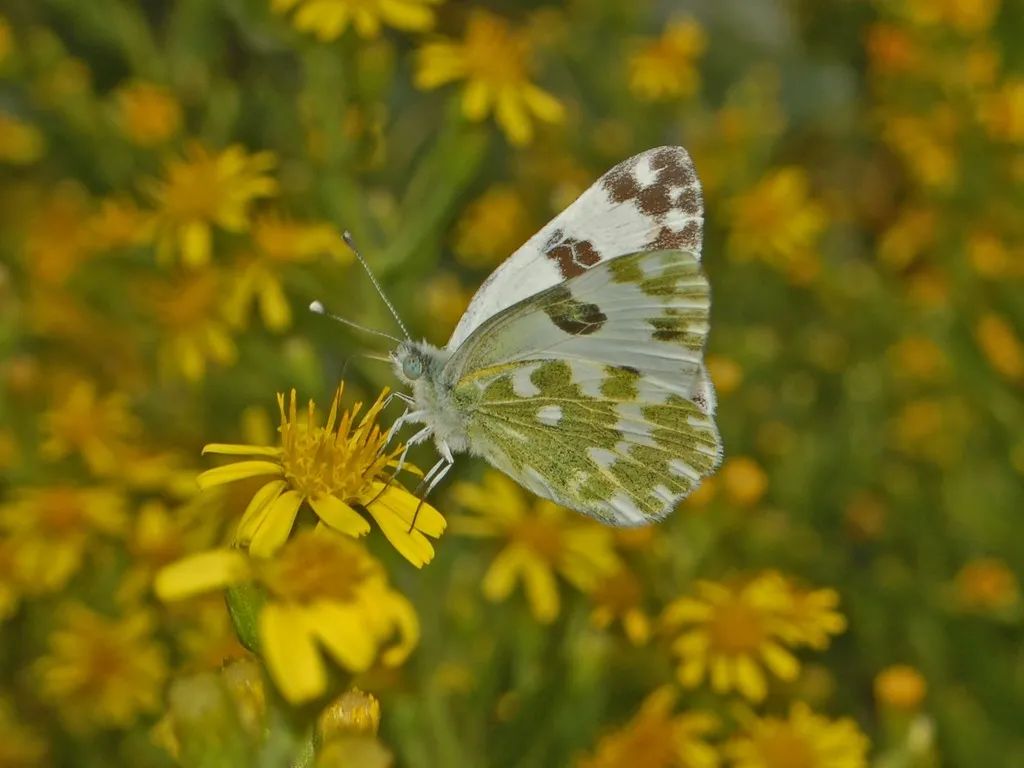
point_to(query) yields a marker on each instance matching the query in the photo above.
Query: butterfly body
(578, 367)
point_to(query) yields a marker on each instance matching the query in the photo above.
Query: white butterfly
(578, 367)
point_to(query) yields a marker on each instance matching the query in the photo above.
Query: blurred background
(844, 592)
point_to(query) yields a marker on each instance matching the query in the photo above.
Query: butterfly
(578, 366)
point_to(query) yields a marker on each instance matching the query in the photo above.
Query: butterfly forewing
(592, 391)
(651, 201)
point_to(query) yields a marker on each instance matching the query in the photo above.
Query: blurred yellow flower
(445, 300)
(892, 49)
(494, 60)
(20, 745)
(990, 257)
(986, 584)
(908, 237)
(6, 38)
(353, 712)
(206, 189)
(205, 634)
(1001, 346)
(187, 308)
(101, 672)
(541, 540)
(778, 222)
(804, 739)
(328, 19)
(492, 227)
(334, 468)
(95, 427)
(865, 516)
(54, 527)
(725, 372)
(918, 358)
(619, 596)
(900, 687)
(119, 223)
(147, 113)
(665, 68)
(20, 143)
(10, 579)
(323, 589)
(931, 429)
(743, 480)
(810, 616)
(965, 16)
(277, 242)
(1002, 112)
(926, 145)
(728, 631)
(657, 737)
(57, 236)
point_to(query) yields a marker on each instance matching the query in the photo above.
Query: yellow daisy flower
(21, 143)
(619, 596)
(334, 468)
(778, 222)
(194, 332)
(541, 541)
(328, 19)
(494, 60)
(102, 672)
(53, 529)
(206, 189)
(810, 617)
(664, 69)
(803, 739)
(729, 632)
(986, 585)
(658, 738)
(147, 113)
(323, 590)
(119, 223)
(94, 427)
(277, 243)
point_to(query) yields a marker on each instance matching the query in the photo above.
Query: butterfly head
(415, 361)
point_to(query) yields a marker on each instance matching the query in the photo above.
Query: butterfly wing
(648, 202)
(592, 392)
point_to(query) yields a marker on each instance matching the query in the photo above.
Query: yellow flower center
(620, 591)
(541, 536)
(61, 511)
(493, 53)
(318, 567)
(786, 749)
(324, 461)
(194, 190)
(736, 628)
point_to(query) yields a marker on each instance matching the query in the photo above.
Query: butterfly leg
(432, 478)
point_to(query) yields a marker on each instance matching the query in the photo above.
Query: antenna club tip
(347, 237)
(317, 307)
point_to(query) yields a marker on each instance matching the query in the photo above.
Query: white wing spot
(550, 415)
(628, 512)
(680, 468)
(602, 456)
(522, 385)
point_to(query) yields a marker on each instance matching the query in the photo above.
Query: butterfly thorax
(421, 366)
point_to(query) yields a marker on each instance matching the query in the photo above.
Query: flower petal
(412, 545)
(255, 512)
(235, 449)
(238, 470)
(408, 625)
(341, 629)
(201, 573)
(408, 508)
(289, 648)
(277, 524)
(340, 516)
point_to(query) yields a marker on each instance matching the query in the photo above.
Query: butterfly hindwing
(592, 392)
(651, 201)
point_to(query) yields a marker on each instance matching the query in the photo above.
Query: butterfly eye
(412, 367)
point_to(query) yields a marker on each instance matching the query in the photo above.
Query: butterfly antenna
(347, 237)
(318, 308)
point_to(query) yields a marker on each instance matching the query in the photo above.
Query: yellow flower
(803, 740)
(334, 468)
(743, 480)
(727, 632)
(1002, 112)
(322, 590)
(355, 712)
(444, 302)
(119, 223)
(194, 332)
(658, 738)
(328, 19)
(20, 142)
(925, 144)
(918, 358)
(541, 539)
(277, 243)
(931, 429)
(147, 113)
(1001, 346)
(102, 672)
(55, 527)
(809, 616)
(203, 190)
(987, 584)
(989, 255)
(776, 221)
(965, 16)
(619, 597)
(205, 634)
(20, 745)
(10, 579)
(492, 227)
(56, 240)
(494, 60)
(900, 687)
(910, 236)
(6, 38)
(726, 374)
(665, 69)
(94, 427)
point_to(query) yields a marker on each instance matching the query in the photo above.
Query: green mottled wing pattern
(592, 393)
